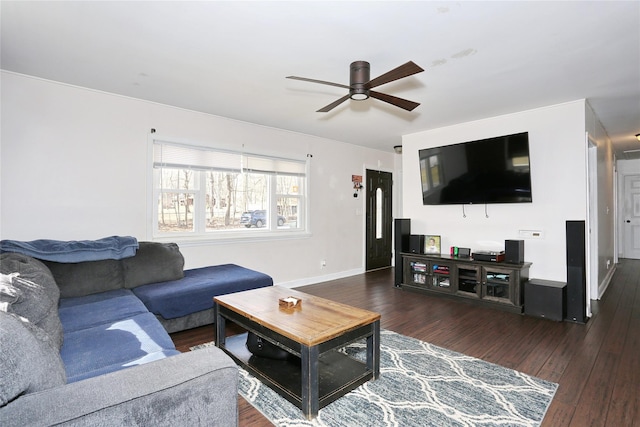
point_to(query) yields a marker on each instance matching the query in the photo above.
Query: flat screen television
(492, 170)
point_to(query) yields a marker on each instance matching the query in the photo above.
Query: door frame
(626, 239)
(623, 167)
(363, 208)
(592, 223)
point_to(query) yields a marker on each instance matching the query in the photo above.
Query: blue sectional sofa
(86, 343)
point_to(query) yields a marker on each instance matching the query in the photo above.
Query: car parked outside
(258, 219)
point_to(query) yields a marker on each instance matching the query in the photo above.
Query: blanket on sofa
(114, 247)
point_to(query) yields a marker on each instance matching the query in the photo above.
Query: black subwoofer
(545, 298)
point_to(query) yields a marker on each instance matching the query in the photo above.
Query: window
(203, 192)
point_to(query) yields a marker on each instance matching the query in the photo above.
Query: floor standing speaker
(576, 272)
(402, 231)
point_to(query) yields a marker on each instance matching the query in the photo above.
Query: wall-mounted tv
(492, 170)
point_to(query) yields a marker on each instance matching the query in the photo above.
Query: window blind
(179, 156)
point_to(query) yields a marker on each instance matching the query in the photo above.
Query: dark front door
(379, 219)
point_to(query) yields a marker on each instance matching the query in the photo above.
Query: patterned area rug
(420, 385)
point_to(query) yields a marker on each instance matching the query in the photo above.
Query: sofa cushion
(114, 346)
(85, 278)
(154, 262)
(196, 290)
(37, 293)
(97, 309)
(28, 360)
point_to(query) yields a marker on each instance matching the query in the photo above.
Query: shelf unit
(497, 284)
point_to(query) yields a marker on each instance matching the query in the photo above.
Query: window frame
(199, 232)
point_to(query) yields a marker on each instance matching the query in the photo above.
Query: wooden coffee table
(313, 332)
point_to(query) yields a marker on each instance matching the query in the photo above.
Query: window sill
(238, 237)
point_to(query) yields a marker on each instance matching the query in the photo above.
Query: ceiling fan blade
(394, 100)
(333, 105)
(404, 70)
(304, 79)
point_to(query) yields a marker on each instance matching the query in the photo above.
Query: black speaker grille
(576, 272)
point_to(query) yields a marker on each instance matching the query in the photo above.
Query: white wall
(559, 187)
(74, 166)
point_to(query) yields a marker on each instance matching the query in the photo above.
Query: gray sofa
(81, 346)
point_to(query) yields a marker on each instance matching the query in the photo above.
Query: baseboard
(602, 287)
(320, 279)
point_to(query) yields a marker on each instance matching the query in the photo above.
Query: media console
(497, 284)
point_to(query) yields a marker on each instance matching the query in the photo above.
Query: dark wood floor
(597, 365)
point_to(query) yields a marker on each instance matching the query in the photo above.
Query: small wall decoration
(432, 244)
(357, 184)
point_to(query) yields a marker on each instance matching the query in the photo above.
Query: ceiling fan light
(359, 96)
(638, 136)
(358, 77)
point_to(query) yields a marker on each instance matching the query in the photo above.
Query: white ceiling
(481, 59)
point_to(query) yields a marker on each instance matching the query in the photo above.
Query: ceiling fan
(360, 85)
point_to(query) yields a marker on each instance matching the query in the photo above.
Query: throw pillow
(38, 294)
(8, 293)
(28, 361)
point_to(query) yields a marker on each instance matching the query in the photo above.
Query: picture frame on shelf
(432, 245)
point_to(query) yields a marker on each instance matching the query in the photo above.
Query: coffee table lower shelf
(338, 373)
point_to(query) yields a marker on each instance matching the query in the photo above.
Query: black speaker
(576, 272)
(514, 251)
(402, 231)
(545, 298)
(416, 243)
